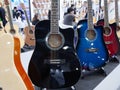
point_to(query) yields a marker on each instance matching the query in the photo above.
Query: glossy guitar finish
(12, 74)
(19, 67)
(92, 53)
(64, 70)
(110, 35)
(111, 40)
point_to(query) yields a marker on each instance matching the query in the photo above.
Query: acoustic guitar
(91, 48)
(54, 63)
(13, 28)
(28, 30)
(12, 74)
(110, 35)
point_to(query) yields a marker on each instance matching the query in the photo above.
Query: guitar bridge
(108, 42)
(32, 38)
(55, 61)
(92, 50)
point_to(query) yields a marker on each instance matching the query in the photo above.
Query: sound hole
(107, 30)
(55, 41)
(90, 34)
(31, 31)
(12, 31)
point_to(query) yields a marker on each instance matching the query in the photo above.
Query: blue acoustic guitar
(91, 48)
(54, 63)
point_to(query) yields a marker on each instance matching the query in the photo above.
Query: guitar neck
(116, 13)
(55, 16)
(10, 16)
(90, 16)
(106, 19)
(27, 19)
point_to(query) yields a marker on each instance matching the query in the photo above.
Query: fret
(90, 16)
(116, 13)
(27, 20)
(24, 8)
(54, 16)
(106, 19)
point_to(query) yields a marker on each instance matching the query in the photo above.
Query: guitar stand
(102, 71)
(114, 58)
(99, 70)
(70, 88)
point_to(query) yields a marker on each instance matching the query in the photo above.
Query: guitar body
(10, 78)
(46, 74)
(29, 37)
(17, 34)
(1, 31)
(92, 53)
(111, 40)
(19, 66)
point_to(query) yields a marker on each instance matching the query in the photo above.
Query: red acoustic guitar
(110, 35)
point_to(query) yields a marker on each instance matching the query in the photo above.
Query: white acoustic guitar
(10, 79)
(13, 28)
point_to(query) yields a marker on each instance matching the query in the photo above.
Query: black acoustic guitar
(54, 63)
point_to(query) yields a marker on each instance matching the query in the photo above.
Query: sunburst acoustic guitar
(91, 48)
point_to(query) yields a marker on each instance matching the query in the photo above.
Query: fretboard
(106, 19)
(27, 19)
(90, 16)
(10, 16)
(54, 16)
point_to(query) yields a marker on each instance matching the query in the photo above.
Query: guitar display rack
(43, 6)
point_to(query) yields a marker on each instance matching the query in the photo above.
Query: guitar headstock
(22, 6)
(34, 4)
(107, 30)
(6, 2)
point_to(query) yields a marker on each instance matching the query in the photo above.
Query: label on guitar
(92, 50)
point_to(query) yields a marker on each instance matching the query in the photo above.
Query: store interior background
(44, 7)
(43, 10)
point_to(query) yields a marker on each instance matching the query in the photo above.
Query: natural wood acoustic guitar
(28, 30)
